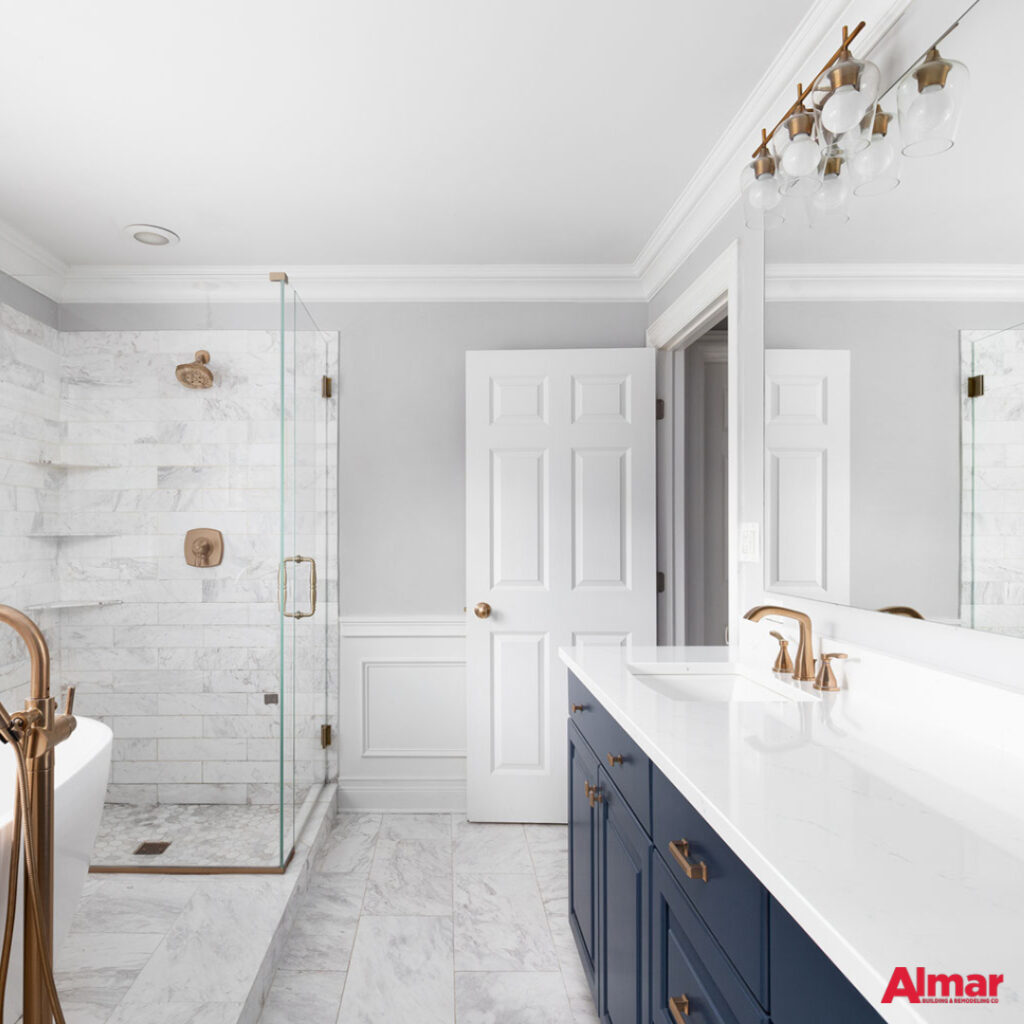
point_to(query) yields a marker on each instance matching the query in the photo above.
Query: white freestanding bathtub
(80, 777)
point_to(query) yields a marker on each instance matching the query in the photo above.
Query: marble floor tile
(552, 870)
(410, 876)
(176, 1013)
(401, 969)
(500, 925)
(349, 847)
(309, 997)
(96, 970)
(215, 948)
(131, 903)
(547, 837)
(490, 849)
(581, 1000)
(325, 925)
(506, 997)
(416, 826)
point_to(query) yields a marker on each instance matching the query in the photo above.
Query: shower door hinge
(661, 583)
(325, 735)
(326, 387)
(976, 386)
(659, 408)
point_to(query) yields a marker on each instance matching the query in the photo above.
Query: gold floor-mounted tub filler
(33, 733)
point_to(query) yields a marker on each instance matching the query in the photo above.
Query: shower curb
(296, 880)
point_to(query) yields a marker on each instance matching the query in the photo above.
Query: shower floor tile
(200, 835)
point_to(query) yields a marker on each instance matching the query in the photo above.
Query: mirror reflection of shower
(196, 374)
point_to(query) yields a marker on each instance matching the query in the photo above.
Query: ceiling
(384, 132)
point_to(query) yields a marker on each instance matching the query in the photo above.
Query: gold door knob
(482, 610)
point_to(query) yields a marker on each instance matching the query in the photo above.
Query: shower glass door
(308, 431)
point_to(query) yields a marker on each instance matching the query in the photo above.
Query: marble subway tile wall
(178, 659)
(30, 482)
(992, 548)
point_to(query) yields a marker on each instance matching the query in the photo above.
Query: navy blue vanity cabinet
(583, 832)
(807, 988)
(726, 894)
(692, 980)
(623, 898)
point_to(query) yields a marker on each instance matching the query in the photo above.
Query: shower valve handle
(69, 700)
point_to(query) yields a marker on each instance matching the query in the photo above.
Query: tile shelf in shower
(58, 605)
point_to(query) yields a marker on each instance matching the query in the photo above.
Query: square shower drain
(151, 849)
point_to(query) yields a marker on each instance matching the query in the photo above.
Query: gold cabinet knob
(614, 759)
(482, 610)
(679, 1007)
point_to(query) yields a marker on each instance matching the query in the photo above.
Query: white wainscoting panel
(402, 719)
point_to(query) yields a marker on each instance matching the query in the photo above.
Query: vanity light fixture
(759, 184)
(930, 98)
(876, 168)
(844, 144)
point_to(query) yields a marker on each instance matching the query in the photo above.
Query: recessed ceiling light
(150, 234)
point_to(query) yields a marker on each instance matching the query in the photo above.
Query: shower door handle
(282, 587)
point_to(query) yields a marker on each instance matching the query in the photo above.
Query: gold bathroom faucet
(803, 667)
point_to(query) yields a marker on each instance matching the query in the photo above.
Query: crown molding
(713, 190)
(894, 282)
(420, 283)
(31, 263)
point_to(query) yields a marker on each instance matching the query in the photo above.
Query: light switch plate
(750, 542)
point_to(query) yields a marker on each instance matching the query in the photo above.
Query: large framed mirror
(894, 365)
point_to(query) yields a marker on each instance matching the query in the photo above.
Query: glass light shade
(875, 170)
(930, 98)
(829, 205)
(845, 92)
(759, 186)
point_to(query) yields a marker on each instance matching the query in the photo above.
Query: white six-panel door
(807, 467)
(560, 526)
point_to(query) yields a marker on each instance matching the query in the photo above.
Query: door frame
(713, 295)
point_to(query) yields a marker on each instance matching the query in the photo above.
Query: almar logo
(922, 987)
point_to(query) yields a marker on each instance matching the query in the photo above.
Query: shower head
(196, 375)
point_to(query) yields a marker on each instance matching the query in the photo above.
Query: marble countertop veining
(862, 839)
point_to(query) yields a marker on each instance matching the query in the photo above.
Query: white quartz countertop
(885, 852)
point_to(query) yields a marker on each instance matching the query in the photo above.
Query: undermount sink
(714, 686)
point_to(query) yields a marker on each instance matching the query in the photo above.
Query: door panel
(807, 449)
(560, 510)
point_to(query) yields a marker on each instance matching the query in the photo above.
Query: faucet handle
(826, 677)
(783, 663)
(69, 700)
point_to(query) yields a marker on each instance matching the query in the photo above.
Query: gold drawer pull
(573, 708)
(614, 759)
(680, 850)
(679, 1007)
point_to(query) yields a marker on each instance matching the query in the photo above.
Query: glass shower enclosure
(213, 666)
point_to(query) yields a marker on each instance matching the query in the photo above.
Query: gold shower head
(196, 375)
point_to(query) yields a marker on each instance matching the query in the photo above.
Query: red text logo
(922, 987)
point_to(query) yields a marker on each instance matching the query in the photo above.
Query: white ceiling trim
(894, 282)
(714, 188)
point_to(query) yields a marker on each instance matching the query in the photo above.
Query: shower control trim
(204, 548)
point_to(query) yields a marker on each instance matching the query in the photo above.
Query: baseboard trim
(410, 795)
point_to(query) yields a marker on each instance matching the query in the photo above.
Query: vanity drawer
(731, 901)
(688, 965)
(624, 762)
